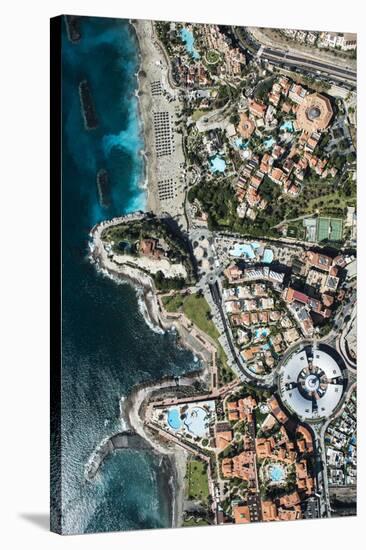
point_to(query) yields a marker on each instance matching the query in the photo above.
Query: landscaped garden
(213, 57)
(197, 481)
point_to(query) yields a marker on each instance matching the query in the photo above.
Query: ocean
(107, 347)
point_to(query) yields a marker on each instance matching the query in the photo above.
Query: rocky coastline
(134, 406)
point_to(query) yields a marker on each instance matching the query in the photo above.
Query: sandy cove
(134, 410)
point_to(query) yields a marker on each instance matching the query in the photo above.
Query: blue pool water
(247, 250)
(217, 164)
(174, 419)
(267, 256)
(261, 332)
(240, 144)
(267, 144)
(265, 347)
(195, 421)
(287, 126)
(276, 473)
(242, 250)
(188, 39)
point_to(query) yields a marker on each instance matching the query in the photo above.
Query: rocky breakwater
(124, 440)
(136, 408)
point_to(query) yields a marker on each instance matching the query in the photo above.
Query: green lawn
(296, 230)
(197, 114)
(197, 480)
(197, 310)
(172, 303)
(323, 202)
(213, 57)
(259, 417)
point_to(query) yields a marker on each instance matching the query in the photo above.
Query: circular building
(314, 113)
(311, 382)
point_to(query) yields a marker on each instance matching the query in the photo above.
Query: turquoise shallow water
(106, 345)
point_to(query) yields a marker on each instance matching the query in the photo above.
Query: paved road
(280, 57)
(291, 59)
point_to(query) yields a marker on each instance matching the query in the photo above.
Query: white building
(345, 41)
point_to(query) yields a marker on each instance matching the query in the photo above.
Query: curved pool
(195, 421)
(188, 39)
(217, 164)
(287, 126)
(173, 419)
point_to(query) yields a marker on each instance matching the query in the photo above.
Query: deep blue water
(107, 346)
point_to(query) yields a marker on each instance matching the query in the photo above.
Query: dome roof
(314, 113)
(311, 382)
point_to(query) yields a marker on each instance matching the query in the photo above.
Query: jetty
(124, 440)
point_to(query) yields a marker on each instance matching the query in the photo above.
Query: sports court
(330, 229)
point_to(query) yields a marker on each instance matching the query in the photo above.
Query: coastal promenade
(215, 394)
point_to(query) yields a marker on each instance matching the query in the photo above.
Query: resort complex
(247, 254)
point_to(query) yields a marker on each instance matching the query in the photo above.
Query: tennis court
(336, 229)
(330, 229)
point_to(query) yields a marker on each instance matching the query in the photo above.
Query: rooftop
(312, 382)
(314, 113)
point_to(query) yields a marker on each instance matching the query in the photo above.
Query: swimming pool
(195, 421)
(245, 249)
(276, 473)
(174, 420)
(287, 126)
(217, 164)
(240, 144)
(267, 144)
(261, 332)
(267, 256)
(188, 39)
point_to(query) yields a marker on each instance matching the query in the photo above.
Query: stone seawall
(124, 440)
